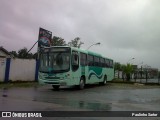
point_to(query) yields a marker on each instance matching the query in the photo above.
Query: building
(4, 53)
(153, 72)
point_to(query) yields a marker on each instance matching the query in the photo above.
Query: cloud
(125, 28)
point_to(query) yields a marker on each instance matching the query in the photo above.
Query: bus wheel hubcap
(81, 84)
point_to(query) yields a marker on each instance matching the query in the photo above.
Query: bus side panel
(84, 73)
(104, 73)
(110, 74)
(95, 74)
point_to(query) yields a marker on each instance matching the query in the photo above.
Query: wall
(18, 69)
(2, 68)
(22, 69)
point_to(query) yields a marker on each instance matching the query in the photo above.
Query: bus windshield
(55, 60)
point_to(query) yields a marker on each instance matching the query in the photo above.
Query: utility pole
(141, 74)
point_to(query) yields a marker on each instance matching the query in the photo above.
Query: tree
(75, 43)
(23, 53)
(57, 41)
(159, 77)
(14, 53)
(35, 55)
(128, 70)
(123, 69)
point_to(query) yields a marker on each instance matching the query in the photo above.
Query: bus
(68, 66)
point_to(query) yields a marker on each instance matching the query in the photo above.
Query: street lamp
(130, 60)
(94, 44)
(147, 71)
(141, 70)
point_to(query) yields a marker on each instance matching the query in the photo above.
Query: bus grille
(52, 77)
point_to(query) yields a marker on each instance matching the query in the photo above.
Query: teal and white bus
(68, 66)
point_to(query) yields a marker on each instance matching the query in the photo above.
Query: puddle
(95, 106)
(94, 99)
(5, 92)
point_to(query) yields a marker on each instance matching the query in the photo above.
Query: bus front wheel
(56, 87)
(81, 84)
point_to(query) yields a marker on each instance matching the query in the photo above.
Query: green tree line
(55, 41)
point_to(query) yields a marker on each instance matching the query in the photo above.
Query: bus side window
(102, 62)
(90, 60)
(107, 63)
(111, 64)
(83, 59)
(96, 61)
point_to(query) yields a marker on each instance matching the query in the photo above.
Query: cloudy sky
(126, 29)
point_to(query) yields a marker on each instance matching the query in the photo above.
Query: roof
(5, 53)
(4, 50)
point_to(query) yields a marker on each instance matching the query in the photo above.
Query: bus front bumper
(53, 82)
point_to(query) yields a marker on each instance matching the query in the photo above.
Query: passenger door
(75, 68)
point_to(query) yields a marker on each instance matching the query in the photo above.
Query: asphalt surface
(112, 97)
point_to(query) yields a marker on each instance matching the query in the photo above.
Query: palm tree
(128, 70)
(123, 69)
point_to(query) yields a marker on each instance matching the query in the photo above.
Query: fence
(18, 69)
(139, 78)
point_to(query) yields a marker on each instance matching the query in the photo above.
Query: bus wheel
(105, 80)
(56, 87)
(81, 84)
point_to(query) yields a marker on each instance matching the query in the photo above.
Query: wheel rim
(82, 84)
(105, 81)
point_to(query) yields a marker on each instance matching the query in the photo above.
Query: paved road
(112, 97)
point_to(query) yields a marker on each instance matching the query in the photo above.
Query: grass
(121, 81)
(117, 83)
(18, 84)
(131, 82)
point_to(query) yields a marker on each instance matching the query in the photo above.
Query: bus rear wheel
(104, 81)
(81, 84)
(56, 87)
